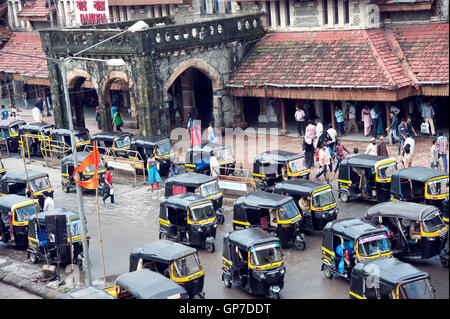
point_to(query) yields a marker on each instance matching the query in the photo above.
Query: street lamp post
(138, 26)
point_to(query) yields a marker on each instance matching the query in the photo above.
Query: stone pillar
(291, 12)
(217, 108)
(222, 6)
(157, 13)
(122, 11)
(283, 118)
(16, 22)
(341, 13)
(132, 104)
(17, 90)
(262, 117)
(197, 6)
(23, 24)
(330, 13)
(273, 14)
(165, 11)
(333, 119)
(283, 14)
(187, 92)
(318, 107)
(129, 14)
(66, 13)
(209, 7)
(11, 15)
(265, 9)
(60, 14)
(388, 111)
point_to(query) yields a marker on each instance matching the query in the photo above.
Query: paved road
(9, 292)
(134, 222)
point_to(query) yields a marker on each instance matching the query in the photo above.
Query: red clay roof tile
(39, 8)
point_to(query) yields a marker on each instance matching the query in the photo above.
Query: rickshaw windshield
(75, 228)
(186, 266)
(323, 198)
(14, 129)
(224, 154)
(438, 187)
(385, 170)
(297, 165)
(373, 246)
(201, 212)
(83, 137)
(209, 189)
(123, 142)
(267, 254)
(40, 184)
(288, 211)
(25, 212)
(417, 289)
(433, 223)
(163, 149)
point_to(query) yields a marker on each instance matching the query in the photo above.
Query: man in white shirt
(36, 114)
(333, 133)
(300, 117)
(352, 119)
(48, 203)
(372, 147)
(409, 140)
(319, 131)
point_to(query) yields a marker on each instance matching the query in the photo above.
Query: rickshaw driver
(273, 218)
(304, 205)
(414, 231)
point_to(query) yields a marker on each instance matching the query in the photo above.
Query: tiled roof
(27, 43)
(426, 50)
(332, 58)
(39, 8)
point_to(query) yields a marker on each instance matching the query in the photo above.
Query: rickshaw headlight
(262, 276)
(282, 271)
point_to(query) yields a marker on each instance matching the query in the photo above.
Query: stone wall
(442, 10)
(306, 14)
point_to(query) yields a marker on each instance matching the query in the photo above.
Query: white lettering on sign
(233, 186)
(124, 166)
(91, 11)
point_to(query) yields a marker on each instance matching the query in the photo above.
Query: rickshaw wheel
(300, 245)
(33, 258)
(226, 280)
(220, 219)
(66, 189)
(211, 247)
(444, 262)
(344, 197)
(162, 235)
(327, 272)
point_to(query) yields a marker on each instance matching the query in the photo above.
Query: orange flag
(92, 159)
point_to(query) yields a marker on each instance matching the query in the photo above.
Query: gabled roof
(35, 9)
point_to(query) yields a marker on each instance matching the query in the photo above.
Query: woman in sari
(365, 116)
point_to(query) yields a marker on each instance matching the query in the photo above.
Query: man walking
(428, 116)
(442, 144)
(48, 201)
(36, 114)
(300, 117)
(4, 113)
(324, 162)
(108, 187)
(392, 129)
(352, 119)
(402, 130)
(374, 117)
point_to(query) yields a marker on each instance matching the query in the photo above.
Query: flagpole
(100, 237)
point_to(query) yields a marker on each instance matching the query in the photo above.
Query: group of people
(7, 115)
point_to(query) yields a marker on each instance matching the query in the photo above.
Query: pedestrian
(14, 109)
(25, 100)
(382, 148)
(300, 117)
(196, 136)
(332, 133)
(324, 162)
(308, 149)
(40, 105)
(380, 129)
(97, 116)
(310, 133)
(319, 131)
(401, 130)
(372, 148)
(153, 175)
(442, 144)
(190, 123)
(4, 113)
(374, 118)
(428, 116)
(37, 117)
(117, 120)
(113, 110)
(434, 156)
(49, 203)
(214, 165)
(211, 137)
(392, 129)
(409, 140)
(365, 117)
(339, 151)
(409, 127)
(407, 157)
(108, 190)
(340, 120)
(352, 119)
(172, 169)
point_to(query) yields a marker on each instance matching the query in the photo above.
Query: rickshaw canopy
(300, 187)
(189, 179)
(184, 201)
(251, 237)
(207, 148)
(277, 157)
(66, 132)
(21, 176)
(149, 141)
(400, 209)
(262, 200)
(110, 136)
(36, 127)
(7, 202)
(87, 293)
(353, 229)
(10, 122)
(68, 160)
(56, 211)
(147, 284)
(417, 173)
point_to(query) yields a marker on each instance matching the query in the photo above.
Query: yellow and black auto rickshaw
(417, 229)
(32, 136)
(274, 213)
(349, 241)
(42, 245)
(420, 184)
(366, 176)
(9, 130)
(198, 158)
(253, 260)
(389, 278)
(175, 261)
(62, 136)
(17, 183)
(199, 184)
(2, 168)
(156, 146)
(277, 165)
(322, 205)
(15, 210)
(188, 218)
(117, 142)
(146, 284)
(67, 168)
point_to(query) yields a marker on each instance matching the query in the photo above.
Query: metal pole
(86, 261)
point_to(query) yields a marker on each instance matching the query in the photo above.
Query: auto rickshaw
(253, 260)
(389, 278)
(146, 284)
(274, 213)
(67, 168)
(198, 158)
(175, 261)
(419, 184)
(322, 205)
(367, 177)
(15, 210)
(188, 218)
(32, 145)
(90, 292)
(9, 129)
(157, 146)
(17, 183)
(274, 166)
(118, 142)
(418, 230)
(199, 184)
(349, 241)
(62, 135)
(2, 168)
(40, 246)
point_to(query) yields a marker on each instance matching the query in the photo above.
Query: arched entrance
(192, 87)
(83, 96)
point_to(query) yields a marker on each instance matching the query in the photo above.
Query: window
(277, 12)
(346, 11)
(288, 13)
(325, 11)
(336, 11)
